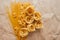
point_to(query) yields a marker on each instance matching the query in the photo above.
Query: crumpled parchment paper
(50, 11)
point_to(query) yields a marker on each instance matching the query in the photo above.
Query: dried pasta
(31, 28)
(24, 19)
(23, 32)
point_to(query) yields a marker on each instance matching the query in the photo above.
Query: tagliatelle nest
(24, 18)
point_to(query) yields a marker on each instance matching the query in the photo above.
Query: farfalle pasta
(24, 19)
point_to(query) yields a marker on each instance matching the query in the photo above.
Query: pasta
(37, 16)
(38, 24)
(31, 28)
(23, 32)
(29, 19)
(24, 19)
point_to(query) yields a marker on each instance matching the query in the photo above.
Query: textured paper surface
(50, 9)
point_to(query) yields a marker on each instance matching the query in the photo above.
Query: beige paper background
(51, 29)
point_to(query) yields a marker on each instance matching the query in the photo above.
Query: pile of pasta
(24, 18)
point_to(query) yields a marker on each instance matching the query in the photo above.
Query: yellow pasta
(25, 5)
(38, 24)
(29, 19)
(30, 9)
(37, 16)
(23, 32)
(24, 19)
(31, 28)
